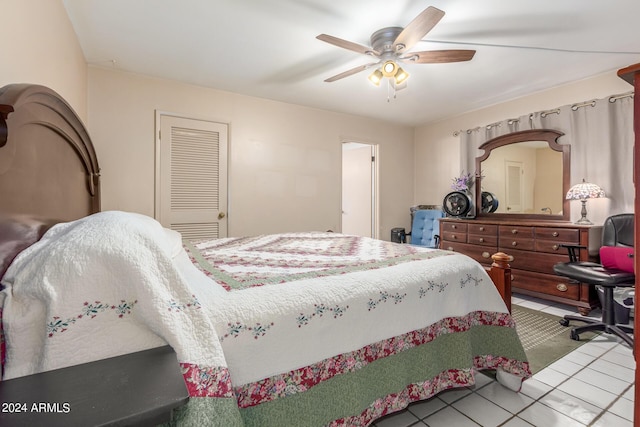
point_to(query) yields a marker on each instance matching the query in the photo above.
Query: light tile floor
(591, 386)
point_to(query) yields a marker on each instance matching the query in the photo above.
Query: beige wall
(437, 158)
(285, 160)
(39, 46)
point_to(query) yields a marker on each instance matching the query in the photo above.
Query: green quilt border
(353, 393)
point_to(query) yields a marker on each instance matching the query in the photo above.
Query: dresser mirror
(524, 175)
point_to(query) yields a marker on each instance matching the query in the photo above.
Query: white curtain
(601, 136)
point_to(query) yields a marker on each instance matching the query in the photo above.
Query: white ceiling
(268, 49)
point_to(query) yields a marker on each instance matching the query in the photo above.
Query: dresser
(535, 247)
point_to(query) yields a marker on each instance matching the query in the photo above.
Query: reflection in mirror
(527, 173)
(525, 178)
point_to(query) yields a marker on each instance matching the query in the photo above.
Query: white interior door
(358, 189)
(514, 186)
(191, 176)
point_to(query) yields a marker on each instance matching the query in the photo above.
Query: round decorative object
(457, 203)
(489, 202)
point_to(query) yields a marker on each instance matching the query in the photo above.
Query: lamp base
(583, 220)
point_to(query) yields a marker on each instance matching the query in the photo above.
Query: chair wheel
(574, 336)
(563, 322)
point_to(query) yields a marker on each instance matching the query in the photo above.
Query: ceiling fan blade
(439, 56)
(345, 44)
(417, 29)
(349, 72)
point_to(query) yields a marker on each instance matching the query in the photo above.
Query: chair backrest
(426, 225)
(618, 230)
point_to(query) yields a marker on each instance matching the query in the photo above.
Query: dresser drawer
(479, 239)
(515, 231)
(545, 283)
(458, 227)
(522, 243)
(454, 236)
(483, 229)
(551, 246)
(564, 235)
(480, 254)
(534, 261)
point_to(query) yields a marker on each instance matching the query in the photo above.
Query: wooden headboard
(48, 166)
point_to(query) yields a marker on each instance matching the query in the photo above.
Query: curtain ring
(546, 113)
(575, 107)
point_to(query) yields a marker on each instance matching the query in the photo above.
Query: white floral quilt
(264, 327)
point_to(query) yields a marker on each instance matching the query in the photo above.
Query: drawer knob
(561, 287)
(454, 237)
(454, 226)
(481, 228)
(514, 231)
(486, 254)
(481, 239)
(449, 248)
(555, 234)
(514, 243)
(556, 247)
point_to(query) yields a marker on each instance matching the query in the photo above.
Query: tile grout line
(602, 411)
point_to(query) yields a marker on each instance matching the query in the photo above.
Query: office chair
(425, 227)
(617, 232)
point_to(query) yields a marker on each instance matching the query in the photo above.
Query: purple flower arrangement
(463, 183)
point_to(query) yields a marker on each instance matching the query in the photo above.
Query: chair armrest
(572, 250)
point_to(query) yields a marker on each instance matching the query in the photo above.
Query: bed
(304, 329)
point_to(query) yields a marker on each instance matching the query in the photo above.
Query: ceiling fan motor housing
(382, 41)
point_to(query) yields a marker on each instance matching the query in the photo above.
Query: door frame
(375, 196)
(157, 159)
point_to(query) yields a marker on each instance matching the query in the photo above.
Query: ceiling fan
(391, 45)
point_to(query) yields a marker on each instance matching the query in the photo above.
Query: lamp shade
(401, 76)
(389, 68)
(376, 77)
(585, 190)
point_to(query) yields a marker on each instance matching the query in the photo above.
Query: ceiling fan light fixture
(376, 77)
(389, 68)
(392, 44)
(401, 76)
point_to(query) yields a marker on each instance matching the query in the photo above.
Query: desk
(140, 388)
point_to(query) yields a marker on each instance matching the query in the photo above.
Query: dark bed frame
(49, 171)
(48, 174)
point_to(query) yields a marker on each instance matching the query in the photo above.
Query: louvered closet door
(192, 177)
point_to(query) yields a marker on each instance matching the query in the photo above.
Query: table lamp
(582, 192)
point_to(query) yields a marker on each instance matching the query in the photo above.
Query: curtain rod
(574, 107)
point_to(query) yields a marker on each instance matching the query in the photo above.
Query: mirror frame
(550, 136)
